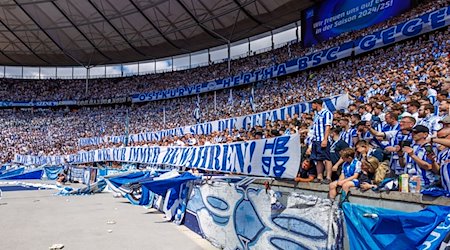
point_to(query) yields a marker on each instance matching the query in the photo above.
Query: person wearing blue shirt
(351, 168)
(391, 122)
(429, 119)
(397, 138)
(320, 151)
(348, 134)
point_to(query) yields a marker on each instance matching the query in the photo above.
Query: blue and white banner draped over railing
(276, 157)
(332, 103)
(425, 23)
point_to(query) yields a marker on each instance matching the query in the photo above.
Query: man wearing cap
(415, 160)
(445, 122)
(396, 138)
(413, 109)
(320, 152)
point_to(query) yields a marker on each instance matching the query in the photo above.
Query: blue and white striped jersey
(395, 137)
(431, 122)
(412, 168)
(349, 169)
(348, 136)
(443, 159)
(322, 119)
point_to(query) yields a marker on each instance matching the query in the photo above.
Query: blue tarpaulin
(12, 172)
(145, 197)
(52, 172)
(35, 174)
(379, 228)
(161, 186)
(129, 178)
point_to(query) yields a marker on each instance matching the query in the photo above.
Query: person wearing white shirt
(413, 109)
(365, 116)
(428, 119)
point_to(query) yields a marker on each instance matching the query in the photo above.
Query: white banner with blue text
(275, 157)
(39, 160)
(331, 103)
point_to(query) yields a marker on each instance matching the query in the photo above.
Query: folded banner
(332, 103)
(52, 172)
(276, 157)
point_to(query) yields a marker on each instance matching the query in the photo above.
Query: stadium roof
(95, 32)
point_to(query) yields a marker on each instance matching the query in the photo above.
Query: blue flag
(197, 109)
(251, 99)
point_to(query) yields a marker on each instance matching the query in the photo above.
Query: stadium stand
(386, 86)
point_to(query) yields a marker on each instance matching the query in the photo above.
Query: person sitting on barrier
(377, 172)
(369, 166)
(307, 171)
(365, 150)
(350, 171)
(62, 178)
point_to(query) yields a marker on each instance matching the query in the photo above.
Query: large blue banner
(332, 103)
(414, 27)
(380, 228)
(275, 157)
(295, 65)
(331, 18)
(366, 12)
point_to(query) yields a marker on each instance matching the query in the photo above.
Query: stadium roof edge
(100, 32)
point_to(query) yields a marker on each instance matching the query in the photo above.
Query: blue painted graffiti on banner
(237, 216)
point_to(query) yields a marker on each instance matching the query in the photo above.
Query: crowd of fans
(397, 122)
(59, 89)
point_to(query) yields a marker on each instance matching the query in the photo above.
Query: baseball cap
(420, 129)
(361, 123)
(446, 120)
